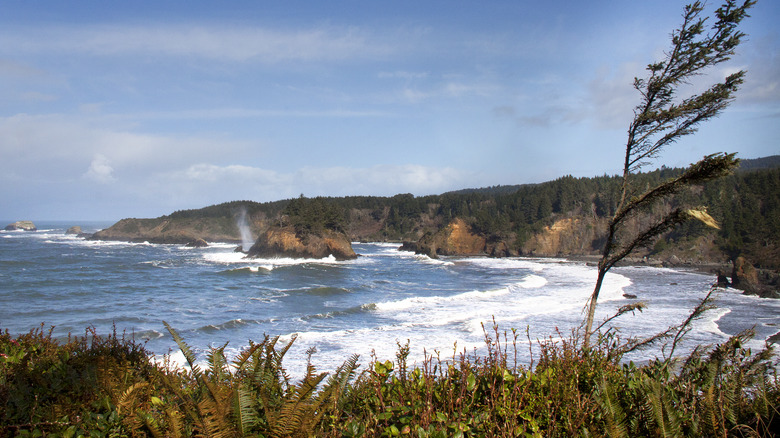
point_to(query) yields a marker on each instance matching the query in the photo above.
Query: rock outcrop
(457, 239)
(197, 243)
(744, 276)
(74, 230)
(565, 237)
(284, 242)
(762, 282)
(21, 225)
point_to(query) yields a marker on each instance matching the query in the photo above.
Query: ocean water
(368, 306)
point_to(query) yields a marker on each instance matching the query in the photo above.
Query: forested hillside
(561, 217)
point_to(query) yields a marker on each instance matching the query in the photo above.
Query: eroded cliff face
(568, 236)
(284, 242)
(459, 240)
(565, 237)
(456, 239)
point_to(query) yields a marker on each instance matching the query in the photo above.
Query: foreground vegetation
(110, 386)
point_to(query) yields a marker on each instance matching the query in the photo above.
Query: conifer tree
(661, 119)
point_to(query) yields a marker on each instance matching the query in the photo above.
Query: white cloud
(210, 173)
(100, 170)
(225, 183)
(64, 149)
(206, 41)
(400, 74)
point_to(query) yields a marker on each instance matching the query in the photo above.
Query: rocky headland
(186, 231)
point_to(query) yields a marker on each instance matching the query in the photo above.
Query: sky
(137, 109)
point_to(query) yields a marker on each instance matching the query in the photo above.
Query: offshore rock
(285, 242)
(197, 243)
(74, 230)
(21, 225)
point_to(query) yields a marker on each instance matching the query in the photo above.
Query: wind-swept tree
(661, 119)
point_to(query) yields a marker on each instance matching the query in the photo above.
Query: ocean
(386, 297)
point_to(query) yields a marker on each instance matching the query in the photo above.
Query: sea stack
(285, 242)
(21, 225)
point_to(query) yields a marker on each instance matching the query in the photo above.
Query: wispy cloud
(267, 184)
(246, 113)
(17, 69)
(225, 43)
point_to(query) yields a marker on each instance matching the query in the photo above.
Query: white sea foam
(220, 245)
(423, 303)
(425, 259)
(388, 245)
(709, 322)
(507, 263)
(380, 342)
(532, 282)
(228, 258)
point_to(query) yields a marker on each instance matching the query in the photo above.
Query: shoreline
(705, 268)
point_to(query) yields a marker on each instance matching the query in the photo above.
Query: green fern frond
(151, 424)
(663, 412)
(215, 421)
(611, 410)
(175, 425)
(245, 356)
(731, 394)
(246, 410)
(189, 355)
(344, 373)
(218, 366)
(126, 401)
(299, 405)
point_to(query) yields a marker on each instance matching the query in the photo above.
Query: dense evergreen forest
(746, 204)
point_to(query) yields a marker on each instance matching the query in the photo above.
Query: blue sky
(137, 109)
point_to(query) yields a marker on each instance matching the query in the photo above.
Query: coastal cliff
(567, 237)
(457, 239)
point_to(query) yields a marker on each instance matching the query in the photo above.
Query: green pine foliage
(314, 215)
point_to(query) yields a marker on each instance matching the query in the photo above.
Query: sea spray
(243, 227)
